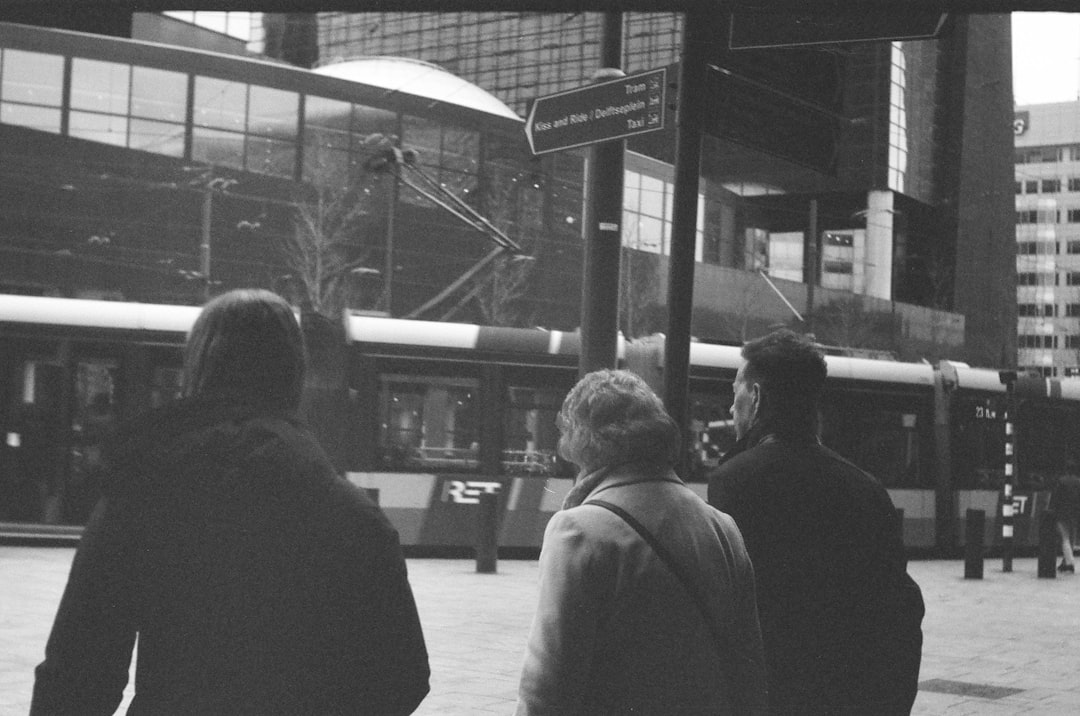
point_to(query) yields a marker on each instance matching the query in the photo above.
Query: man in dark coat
(840, 616)
(257, 580)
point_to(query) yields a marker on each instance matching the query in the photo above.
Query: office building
(1048, 237)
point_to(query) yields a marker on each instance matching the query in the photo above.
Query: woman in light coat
(616, 631)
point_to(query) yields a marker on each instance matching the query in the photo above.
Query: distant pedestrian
(840, 617)
(621, 628)
(1065, 502)
(256, 579)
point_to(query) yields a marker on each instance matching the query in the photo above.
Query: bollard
(373, 494)
(1048, 545)
(487, 548)
(973, 544)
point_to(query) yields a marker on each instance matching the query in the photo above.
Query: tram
(442, 413)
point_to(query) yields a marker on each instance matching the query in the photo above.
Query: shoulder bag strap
(719, 642)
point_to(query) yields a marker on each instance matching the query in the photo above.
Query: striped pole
(1007, 486)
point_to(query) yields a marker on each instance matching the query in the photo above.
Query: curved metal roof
(416, 77)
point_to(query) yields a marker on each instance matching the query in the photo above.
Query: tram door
(108, 383)
(95, 393)
(31, 421)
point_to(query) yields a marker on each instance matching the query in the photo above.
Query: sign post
(600, 112)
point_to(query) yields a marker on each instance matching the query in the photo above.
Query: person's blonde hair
(613, 416)
(246, 345)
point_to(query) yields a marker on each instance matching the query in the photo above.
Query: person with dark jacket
(256, 580)
(840, 616)
(616, 629)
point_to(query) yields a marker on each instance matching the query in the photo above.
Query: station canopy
(416, 77)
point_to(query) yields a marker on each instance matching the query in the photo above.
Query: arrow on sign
(615, 109)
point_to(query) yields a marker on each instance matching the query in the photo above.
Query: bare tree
(328, 247)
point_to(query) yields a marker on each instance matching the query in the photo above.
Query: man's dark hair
(791, 372)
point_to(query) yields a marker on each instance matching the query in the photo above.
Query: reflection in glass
(369, 120)
(326, 140)
(328, 114)
(273, 112)
(93, 423)
(42, 118)
(460, 150)
(216, 147)
(531, 435)
(270, 156)
(159, 94)
(220, 103)
(712, 427)
(100, 86)
(157, 137)
(424, 135)
(428, 423)
(104, 128)
(32, 77)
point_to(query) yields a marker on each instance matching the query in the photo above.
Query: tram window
(531, 434)
(978, 444)
(712, 426)
(885, 440)
(428, 423)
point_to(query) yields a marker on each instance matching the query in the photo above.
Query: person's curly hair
(612, 417)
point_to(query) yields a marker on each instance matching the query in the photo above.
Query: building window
(1072, 371)
(1019, 187)
(159, 100)
(1072, 341)
(1031, 187)
(1027, 340)
(1038, 155)
(228, 113)
(1035, 279)
(648, 213)
(1073, 216)
(100, 93)
(1074, 184)
(1072, 310)
(1051, 186)
(1038, 310)
(1072, 278)
(31, 89)
(1030, 216)
(1032, 248)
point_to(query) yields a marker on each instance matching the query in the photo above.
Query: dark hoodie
(258, 581)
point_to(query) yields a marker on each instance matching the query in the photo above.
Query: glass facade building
(129, 168)
(888, 181)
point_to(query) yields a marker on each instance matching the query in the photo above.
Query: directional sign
(597, 113)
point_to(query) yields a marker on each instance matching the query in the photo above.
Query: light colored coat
(615, 632)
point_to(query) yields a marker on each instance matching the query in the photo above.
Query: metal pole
(974, 527)
(1007, 486)
(688, 133)
(603, 235)
(487, 542)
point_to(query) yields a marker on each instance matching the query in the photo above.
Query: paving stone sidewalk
(1006, 644)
